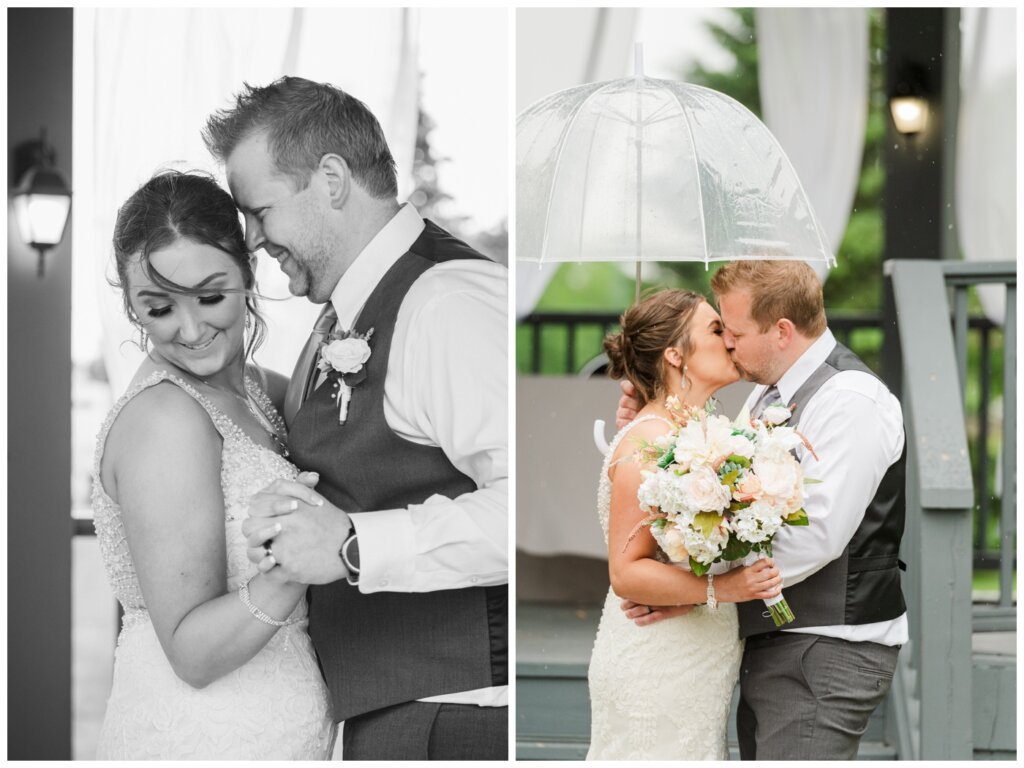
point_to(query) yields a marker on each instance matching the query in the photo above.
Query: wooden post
(939, 502)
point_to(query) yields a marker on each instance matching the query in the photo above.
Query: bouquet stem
(779, 610)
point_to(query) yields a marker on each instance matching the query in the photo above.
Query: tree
(856, 283)
(435, 204)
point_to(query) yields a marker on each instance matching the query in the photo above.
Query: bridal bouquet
(721, 490)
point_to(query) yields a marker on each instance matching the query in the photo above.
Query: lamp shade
(41, 206)
(909, 113)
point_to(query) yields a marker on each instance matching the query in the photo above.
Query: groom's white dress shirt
(855, 426)
(446, 386)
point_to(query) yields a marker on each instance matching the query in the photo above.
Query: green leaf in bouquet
(707, 521)
(735, 549)
(699, 569)
(798, 518)
(740, 460)
(660, 523)
(729, 478)
(667, 459)
(811, 481)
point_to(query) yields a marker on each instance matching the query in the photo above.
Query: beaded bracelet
(243, 595)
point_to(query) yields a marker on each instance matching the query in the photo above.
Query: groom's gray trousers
(809, 697)
(420, 730)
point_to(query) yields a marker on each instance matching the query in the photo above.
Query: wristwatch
(349, 553)
(712, 602)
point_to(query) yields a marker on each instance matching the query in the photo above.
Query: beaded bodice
(246, 467)
(604, 484)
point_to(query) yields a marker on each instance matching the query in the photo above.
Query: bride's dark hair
(649, 328)
(175, 206)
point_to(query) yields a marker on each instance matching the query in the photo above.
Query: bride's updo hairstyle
(175, 206)
(657, 323)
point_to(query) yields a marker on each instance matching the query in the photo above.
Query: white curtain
(557, 49)
(147, 79)
(813, 75)
(986, 158)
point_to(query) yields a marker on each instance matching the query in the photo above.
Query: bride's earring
(686, 384)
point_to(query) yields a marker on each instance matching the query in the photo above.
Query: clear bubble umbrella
(643, 169)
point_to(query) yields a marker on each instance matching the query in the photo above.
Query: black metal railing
(569, 344)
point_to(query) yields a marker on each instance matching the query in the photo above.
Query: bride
(213, 660)
(663, 691)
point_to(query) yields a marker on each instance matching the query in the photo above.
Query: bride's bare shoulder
(639, 436)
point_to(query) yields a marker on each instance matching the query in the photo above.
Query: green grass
(988, 581)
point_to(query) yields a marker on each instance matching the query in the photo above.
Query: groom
(410, 618)
(806, 692)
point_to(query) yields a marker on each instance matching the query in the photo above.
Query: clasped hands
(302, 531)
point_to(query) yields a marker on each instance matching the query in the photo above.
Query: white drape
(813, 75)
(986, 159)
(147, 79)
(557, 49)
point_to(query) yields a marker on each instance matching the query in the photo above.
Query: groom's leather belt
(765, 637)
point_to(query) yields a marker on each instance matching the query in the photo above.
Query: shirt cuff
(387, 550)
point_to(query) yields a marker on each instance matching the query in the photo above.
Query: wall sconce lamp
(908, 104)
(909, 113)
(42, 200)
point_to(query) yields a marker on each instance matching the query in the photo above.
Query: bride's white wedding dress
(273, 707)
(660, 692)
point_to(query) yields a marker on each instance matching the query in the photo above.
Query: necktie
(304, 376)
(770, 397)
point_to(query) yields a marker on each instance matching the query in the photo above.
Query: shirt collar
(380, 254)
(806, 364)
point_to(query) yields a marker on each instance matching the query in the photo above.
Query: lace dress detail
(275, 706)
(660, 692)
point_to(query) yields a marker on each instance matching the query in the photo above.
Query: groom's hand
(642, 615)
(628, 404)
(303, 530)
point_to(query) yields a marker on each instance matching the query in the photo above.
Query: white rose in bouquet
(781, 480)
(670, 539)
(703, 441)
(704, 492)
(741, 445)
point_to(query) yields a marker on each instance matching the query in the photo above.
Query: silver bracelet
(243, 595)
(712, 602)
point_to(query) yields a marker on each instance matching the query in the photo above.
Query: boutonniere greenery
(343, 356)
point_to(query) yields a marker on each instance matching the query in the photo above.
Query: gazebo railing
(932, 699)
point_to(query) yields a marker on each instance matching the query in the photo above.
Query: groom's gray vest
(862, 585)
(386, 648)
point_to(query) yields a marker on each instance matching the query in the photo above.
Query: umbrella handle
(599, 441)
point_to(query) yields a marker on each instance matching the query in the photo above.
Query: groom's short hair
(778, 289)
(304, 121)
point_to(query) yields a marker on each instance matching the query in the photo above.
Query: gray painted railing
(960, 276)
(932, 701)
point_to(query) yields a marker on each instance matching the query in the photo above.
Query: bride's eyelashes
(204, 300)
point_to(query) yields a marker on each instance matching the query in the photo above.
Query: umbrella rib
(558, 163)
(696, 169)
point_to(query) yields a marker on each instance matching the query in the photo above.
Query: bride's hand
(759, 581)
(642, 615)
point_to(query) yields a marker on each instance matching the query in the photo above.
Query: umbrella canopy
(644, 169)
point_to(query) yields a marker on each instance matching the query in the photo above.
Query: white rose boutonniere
(776, 414)
(342, 357)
